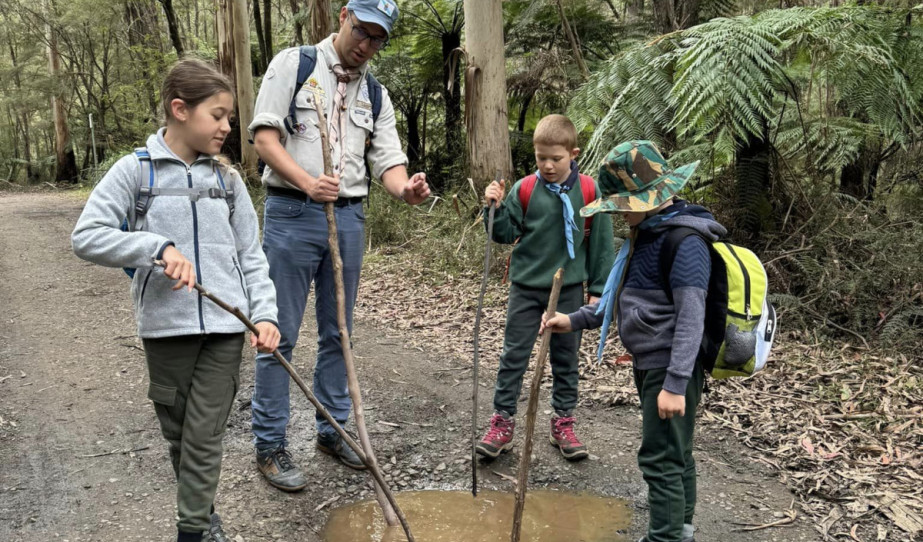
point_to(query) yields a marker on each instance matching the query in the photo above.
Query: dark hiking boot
(499, 437)
(215, 532)
(279, 469)
(563, 437)
(644, 539)
(333, 444)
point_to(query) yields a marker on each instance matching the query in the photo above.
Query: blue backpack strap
(374, 97)
(228, 195)
(145, 187)
(307, 59)
(142, 198)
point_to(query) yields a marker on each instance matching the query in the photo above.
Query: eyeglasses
(360, 34)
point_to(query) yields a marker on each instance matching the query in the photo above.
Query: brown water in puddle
(453, 516)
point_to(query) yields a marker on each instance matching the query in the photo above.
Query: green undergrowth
(839, 268)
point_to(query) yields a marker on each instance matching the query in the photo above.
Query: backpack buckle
(215, 192)
(142, 203)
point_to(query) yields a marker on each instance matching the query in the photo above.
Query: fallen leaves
(843, 428)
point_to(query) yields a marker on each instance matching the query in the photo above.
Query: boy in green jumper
(547, 237)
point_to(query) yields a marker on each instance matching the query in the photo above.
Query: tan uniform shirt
(304, 145)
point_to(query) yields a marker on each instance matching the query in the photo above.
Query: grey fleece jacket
(660, 334)
(225, 249)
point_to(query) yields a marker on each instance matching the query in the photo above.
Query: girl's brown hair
(193, 81)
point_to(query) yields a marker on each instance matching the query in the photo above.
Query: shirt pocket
(306, 115)
(359, 130)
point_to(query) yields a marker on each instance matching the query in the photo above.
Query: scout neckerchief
(570, 226)
(338, 119)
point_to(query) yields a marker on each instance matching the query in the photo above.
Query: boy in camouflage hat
(661, 321)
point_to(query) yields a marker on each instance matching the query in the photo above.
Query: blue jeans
(295, 243)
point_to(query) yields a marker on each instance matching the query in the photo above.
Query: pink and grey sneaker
(499, 437)
(562, 436)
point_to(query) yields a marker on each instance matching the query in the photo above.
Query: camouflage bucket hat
(635, 177)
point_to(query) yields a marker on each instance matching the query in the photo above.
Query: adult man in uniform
(295, 227)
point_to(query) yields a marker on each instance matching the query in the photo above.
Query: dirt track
(83, 458)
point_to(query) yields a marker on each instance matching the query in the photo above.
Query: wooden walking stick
(334, 245)
(373, 467)
(526, 457)
(491, 209)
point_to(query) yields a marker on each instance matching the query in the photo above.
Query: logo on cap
(386, 7)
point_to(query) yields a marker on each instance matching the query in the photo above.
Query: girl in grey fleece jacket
(204, 228)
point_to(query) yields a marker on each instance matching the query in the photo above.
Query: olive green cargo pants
(194, 379)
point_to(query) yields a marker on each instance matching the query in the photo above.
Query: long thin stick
(526, 457)
(372, 467)
(351, 379)
(491, 209)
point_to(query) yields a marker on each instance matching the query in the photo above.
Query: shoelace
(285, 459)
(565, 427)
(498, 428)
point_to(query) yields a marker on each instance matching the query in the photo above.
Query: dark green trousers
(665, 456)
(194, 380)
(523, 318)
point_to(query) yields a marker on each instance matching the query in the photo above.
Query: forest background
(806, 115)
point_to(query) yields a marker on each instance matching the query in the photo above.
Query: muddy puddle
(454, 516)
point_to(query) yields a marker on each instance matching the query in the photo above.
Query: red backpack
(527, 186)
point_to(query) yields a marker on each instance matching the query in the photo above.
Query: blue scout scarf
(570, 226)
(607, 301)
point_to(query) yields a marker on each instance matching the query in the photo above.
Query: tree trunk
(753, 180)
(299, 35)
(173, 27)
(452, 99)
(321, 23)
(22, 121)
(485, 93)
(672, 15)
(267, 29)
(65, 161)
(524, 112)
(223, 28)
(572, 38)
(634, 9)
(139, 15)
(262, 63)
(243, 78)
(414, 146)
(859, 178)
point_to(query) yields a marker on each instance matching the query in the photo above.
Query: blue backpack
(307, 60)
(147, 191)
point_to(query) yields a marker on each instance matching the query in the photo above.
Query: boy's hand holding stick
(525, 457)
(389, 508)
(493, 199)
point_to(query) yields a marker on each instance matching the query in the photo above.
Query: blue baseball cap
(381, 12)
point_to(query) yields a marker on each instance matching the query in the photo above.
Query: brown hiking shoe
(279, 469)
(562, 436)
(333, 444)
(499, 437)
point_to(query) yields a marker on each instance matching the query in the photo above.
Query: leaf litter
(843, 427)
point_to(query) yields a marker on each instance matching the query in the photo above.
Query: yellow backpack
(740, 323)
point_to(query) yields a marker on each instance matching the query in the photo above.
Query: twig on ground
(114, 452)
